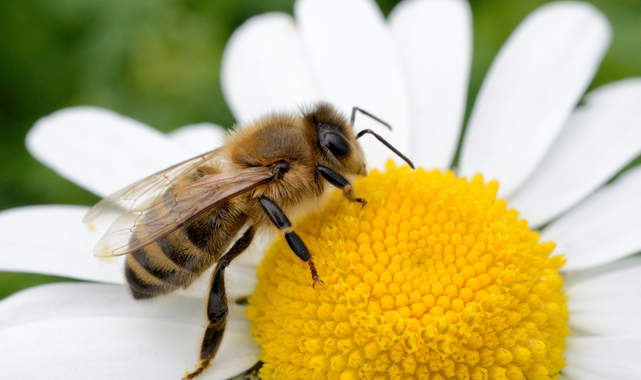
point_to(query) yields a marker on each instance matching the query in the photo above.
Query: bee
(175, 224)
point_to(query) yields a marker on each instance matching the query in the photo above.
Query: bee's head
(335, 142)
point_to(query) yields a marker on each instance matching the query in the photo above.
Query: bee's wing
(160, 216)
(133, 196)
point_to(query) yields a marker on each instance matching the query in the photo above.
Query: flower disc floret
(434, 279)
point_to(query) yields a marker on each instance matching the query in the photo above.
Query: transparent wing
(133, 196)
(162, 215)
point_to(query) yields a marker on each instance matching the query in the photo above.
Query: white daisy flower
(551, 157)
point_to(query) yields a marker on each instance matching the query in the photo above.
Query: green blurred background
(158, 61)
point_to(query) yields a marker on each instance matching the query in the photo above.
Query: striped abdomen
(177, 260)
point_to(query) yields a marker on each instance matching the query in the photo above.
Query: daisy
(551, 158)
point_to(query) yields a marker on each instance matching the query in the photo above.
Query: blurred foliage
(158, 61)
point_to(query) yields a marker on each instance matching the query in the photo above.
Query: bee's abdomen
(178, 259)
(163, 266)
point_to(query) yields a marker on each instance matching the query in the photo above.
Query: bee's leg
(340, 182)
(279, 219)
(217, 304)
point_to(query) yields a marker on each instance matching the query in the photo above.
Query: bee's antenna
(401, 155)
(368, 114)
(364, 131)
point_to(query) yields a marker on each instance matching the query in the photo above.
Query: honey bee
(177, 223)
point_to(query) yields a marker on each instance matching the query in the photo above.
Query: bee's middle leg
(340, 182)
(281, 221)
(217, 304)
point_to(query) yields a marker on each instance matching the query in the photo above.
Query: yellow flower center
(433, 279)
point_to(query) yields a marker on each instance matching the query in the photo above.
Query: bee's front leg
(281, 221)
(217, 305)
(340, 182)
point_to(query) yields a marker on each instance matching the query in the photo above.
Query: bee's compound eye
(336, 144)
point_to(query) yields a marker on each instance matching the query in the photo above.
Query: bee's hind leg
(340, 182)
(217, 305)
(281, 221)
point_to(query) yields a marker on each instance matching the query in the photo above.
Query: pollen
(433, 279)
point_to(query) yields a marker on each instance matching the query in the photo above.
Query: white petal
(353, 54)
(100, 150)
(600, 358)
(53, 240)
(117, 348)
(530, 90)
(434, 41)
(266, 69)
(574, 278)
(85, 328)
(603, 228)
(580, 374)
(199, 138)
(64, 247)
(72, 300)
(609, 304)
(600, 138)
